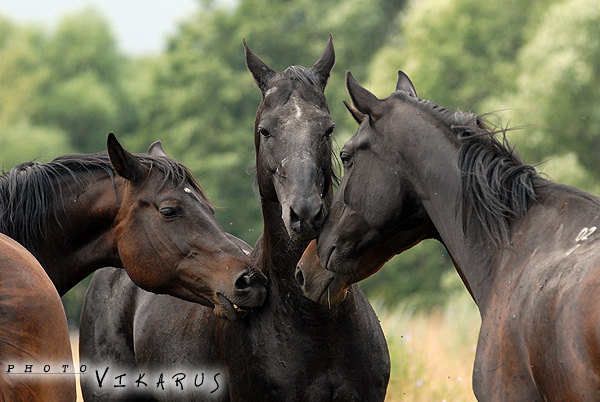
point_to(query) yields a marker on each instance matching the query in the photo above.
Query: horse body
(33, 330)
(290, 348)
(543, 307)
(525, 248)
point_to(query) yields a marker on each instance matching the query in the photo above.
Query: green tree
(457, 52)
(557, 92)
(21, 70)
(23, 142)
(83, 92)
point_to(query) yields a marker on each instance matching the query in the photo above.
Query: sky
(140, 26)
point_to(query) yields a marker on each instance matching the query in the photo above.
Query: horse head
(377, 211)
(292, 135)
(169, 241)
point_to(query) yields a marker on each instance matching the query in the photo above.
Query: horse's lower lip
(233, 310)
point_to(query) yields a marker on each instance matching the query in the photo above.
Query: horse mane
(496, 186)
(31, 194)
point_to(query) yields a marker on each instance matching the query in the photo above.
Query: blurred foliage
(537, 62)
(558, 90)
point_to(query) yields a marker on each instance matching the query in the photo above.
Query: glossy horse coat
(33, 330)
(144, 213)
(526, 248)
(291, 348)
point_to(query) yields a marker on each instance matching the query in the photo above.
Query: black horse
(526, 248)
(291, 348)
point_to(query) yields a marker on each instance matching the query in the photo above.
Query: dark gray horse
(291, 348)
(526, 248)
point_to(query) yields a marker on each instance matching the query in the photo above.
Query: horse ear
(405, 84)
(259, 69)
(124, 163)
(325, 62)
(358, 116)
(156, 149)
(365, 101)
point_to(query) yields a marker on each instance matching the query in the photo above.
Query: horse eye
(168, 212)
(264, 132)
(329, 131)
(346, 158)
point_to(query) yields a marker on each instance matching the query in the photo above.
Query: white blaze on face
(298, 109)
(270, 91)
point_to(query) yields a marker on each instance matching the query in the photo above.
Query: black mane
(31, 194)
(497, 185)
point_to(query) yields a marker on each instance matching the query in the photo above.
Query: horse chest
(294, 364)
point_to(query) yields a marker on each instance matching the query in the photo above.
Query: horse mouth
(324, 297)
(230, 310)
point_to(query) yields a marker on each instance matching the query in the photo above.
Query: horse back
(33, 328)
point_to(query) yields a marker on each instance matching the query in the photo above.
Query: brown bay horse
(144, 213)
(33, 331)
(290, 348)
(526, 248)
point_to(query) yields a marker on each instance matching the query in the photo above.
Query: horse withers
(525, 248)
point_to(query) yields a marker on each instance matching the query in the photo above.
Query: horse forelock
(31, 194)
(293, 80)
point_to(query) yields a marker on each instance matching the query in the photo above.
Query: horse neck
(79, 237)
(440, 192)
(279, 253)
(278, 256)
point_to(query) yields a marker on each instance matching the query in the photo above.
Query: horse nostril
(242, 282)
(320, 215)
(294, 220)
(300, 277)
